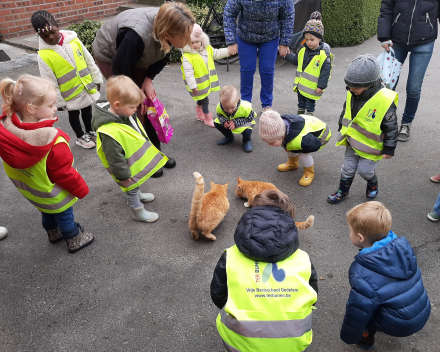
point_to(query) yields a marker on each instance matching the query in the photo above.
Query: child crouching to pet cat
(123, 145)
(263, 278)
(234, 116)
(299, 135)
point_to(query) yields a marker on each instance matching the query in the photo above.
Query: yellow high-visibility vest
(312, 124)
(269, 305)
(363, 133)
(143, 158)
(71, 80)
(307, 82)
(35, 185)
(206, 77)
(243, 110)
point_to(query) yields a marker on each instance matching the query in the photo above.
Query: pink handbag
(159, 119)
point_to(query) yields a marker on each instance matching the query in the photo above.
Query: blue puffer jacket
(259, 21)
(387, 287)
(264, 234)
(411, 22)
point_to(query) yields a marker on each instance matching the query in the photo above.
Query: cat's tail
(195, 205)
(306, 224)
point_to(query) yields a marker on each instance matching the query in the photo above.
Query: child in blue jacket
(387, 292)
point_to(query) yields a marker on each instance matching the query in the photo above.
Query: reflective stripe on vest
(243, 110)
(34, 184)
(307, 82)
(269, 305)
(363, 133)
(143, 158)
(312, 124)
(207, 82)
(71, 80)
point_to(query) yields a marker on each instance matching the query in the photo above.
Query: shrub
(86, 32)
(349, 22)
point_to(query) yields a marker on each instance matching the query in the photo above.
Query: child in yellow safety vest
(234, 116)
(314, 66)
(368, 126)
(299, 135)
(66, 62)
(37, 157)
(123, 145)
(199, 73)
(265, 285)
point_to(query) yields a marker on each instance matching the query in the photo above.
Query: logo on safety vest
(79, 54)
(272, 269)
(316, 64)
(372, 113)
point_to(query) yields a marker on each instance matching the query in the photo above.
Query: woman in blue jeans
(409, 26)
(262, 28)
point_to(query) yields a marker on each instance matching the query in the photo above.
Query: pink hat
(272, 127)
(196, 35)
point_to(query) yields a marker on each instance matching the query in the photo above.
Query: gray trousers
(133, 198)
(353, 162)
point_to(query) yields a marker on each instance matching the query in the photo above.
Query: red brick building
(15, 15)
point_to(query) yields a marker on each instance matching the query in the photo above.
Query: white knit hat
(272, 126)
(196, 35)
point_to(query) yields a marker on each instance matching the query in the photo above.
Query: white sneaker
(93, 135)
(3, 232)
(85, 142)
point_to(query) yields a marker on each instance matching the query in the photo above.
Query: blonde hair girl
(145, 37)
(37, 157)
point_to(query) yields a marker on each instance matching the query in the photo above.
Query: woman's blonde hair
(123, 89)
(275, 198)
(228, 94)
(28, 90)
(175, 19)
(372, 220)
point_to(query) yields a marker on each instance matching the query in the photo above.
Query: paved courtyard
(145, 287)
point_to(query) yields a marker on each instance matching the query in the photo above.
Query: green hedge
(349, 22)
(86, 32)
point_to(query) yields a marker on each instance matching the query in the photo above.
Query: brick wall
(15, 15)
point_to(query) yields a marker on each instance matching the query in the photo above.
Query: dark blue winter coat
(387, 288)
(264, 234)
(411, 22)
(310, 142)
(259, 21)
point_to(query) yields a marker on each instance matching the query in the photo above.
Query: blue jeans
(267, 55)
(63, 220)
(418, 63)
(306, 103)
(437, 206)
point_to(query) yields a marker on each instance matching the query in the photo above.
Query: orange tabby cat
(207, 210)
(249, 189)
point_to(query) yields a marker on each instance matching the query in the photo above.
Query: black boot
(372, 187)
(342, 192)
(158, 173)
(247, 143)
(170, 163)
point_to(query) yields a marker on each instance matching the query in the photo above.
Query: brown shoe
(54, 235)
(78, 242)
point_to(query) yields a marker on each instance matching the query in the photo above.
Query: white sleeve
(46, 72)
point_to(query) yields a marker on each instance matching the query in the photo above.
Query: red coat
(20, 155)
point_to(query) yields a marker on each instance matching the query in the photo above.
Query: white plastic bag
(390, 68)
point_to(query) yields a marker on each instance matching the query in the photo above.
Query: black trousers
(86, 115)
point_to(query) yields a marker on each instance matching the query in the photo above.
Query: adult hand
(232, 125)
(232, 49)
(284, 50)
(387, 46)
(98, 87)
(148, 88)
(386, 156)
(126, 183)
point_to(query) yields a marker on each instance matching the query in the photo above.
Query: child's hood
(68, 37)
(102, 116)
(393, 257)
(205, 42)
(22, 145)
(267, 234)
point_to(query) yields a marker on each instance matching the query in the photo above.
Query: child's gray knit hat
(364, 71)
